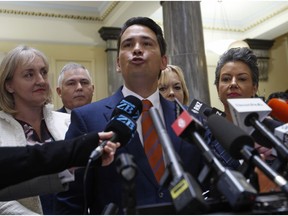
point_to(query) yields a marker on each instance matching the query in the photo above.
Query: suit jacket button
(161, 194)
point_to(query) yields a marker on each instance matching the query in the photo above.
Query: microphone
(241, 146)
(185, 191)
(129, 108)
(250, 110)
(110, 209)
(279, 109)
(129, 105)
(124, 128)
(203, 109)
(123, 124)
(271, 125)
(127, 168)
(230, 183)
(240, 108)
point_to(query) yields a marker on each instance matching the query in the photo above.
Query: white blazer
(12, 134)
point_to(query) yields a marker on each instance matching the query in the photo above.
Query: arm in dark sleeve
(18, 164)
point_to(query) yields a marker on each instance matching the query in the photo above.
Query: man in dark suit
(141, 57)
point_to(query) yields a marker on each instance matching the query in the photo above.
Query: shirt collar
(68, 110)
(154, 98)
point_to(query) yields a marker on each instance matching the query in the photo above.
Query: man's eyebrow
(142, 37)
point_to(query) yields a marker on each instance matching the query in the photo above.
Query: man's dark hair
(242, 54)
(145, 21)
(280, 95)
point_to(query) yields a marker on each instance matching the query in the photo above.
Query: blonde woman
(26, 115)
(172, 84)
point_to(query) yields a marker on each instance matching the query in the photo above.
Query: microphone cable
(85, 200)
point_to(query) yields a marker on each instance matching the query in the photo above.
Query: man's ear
(164, 62)
(118, 68)
(58, 90)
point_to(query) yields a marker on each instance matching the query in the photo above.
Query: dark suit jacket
(63, 110)
(106, 184)
(18, 164)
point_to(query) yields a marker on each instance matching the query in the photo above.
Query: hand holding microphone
(109, 149)
(122, 123)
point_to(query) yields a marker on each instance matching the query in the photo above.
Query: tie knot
(146, 105)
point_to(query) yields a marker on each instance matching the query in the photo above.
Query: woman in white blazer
(27, 117)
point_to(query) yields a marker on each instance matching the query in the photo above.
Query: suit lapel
(112, 103)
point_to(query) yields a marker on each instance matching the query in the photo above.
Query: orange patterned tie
(152, 145)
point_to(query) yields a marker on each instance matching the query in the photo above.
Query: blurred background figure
(172, 84)
(74, 86)
(278, 102)
(279, 95)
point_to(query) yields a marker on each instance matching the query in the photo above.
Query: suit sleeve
(33, 187)
(19, 164)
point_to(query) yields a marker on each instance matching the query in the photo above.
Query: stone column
(110, 35)
(185, 45)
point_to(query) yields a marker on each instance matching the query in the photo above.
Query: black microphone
(185, 191)
(124, 128)
(127, 168)
(110, 209)
(131, 107)
(202, 109)
(232, 184)
(241, 146)
(272, 125)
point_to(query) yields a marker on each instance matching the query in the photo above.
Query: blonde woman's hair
(164, 78)
(18, 57)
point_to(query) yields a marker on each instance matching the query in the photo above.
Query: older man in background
(74, 86)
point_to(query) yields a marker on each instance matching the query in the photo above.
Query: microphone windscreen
(231, 137)
(129, 105)
(279, 109)
(123, 126)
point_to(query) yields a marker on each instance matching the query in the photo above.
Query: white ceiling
(79, 21)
